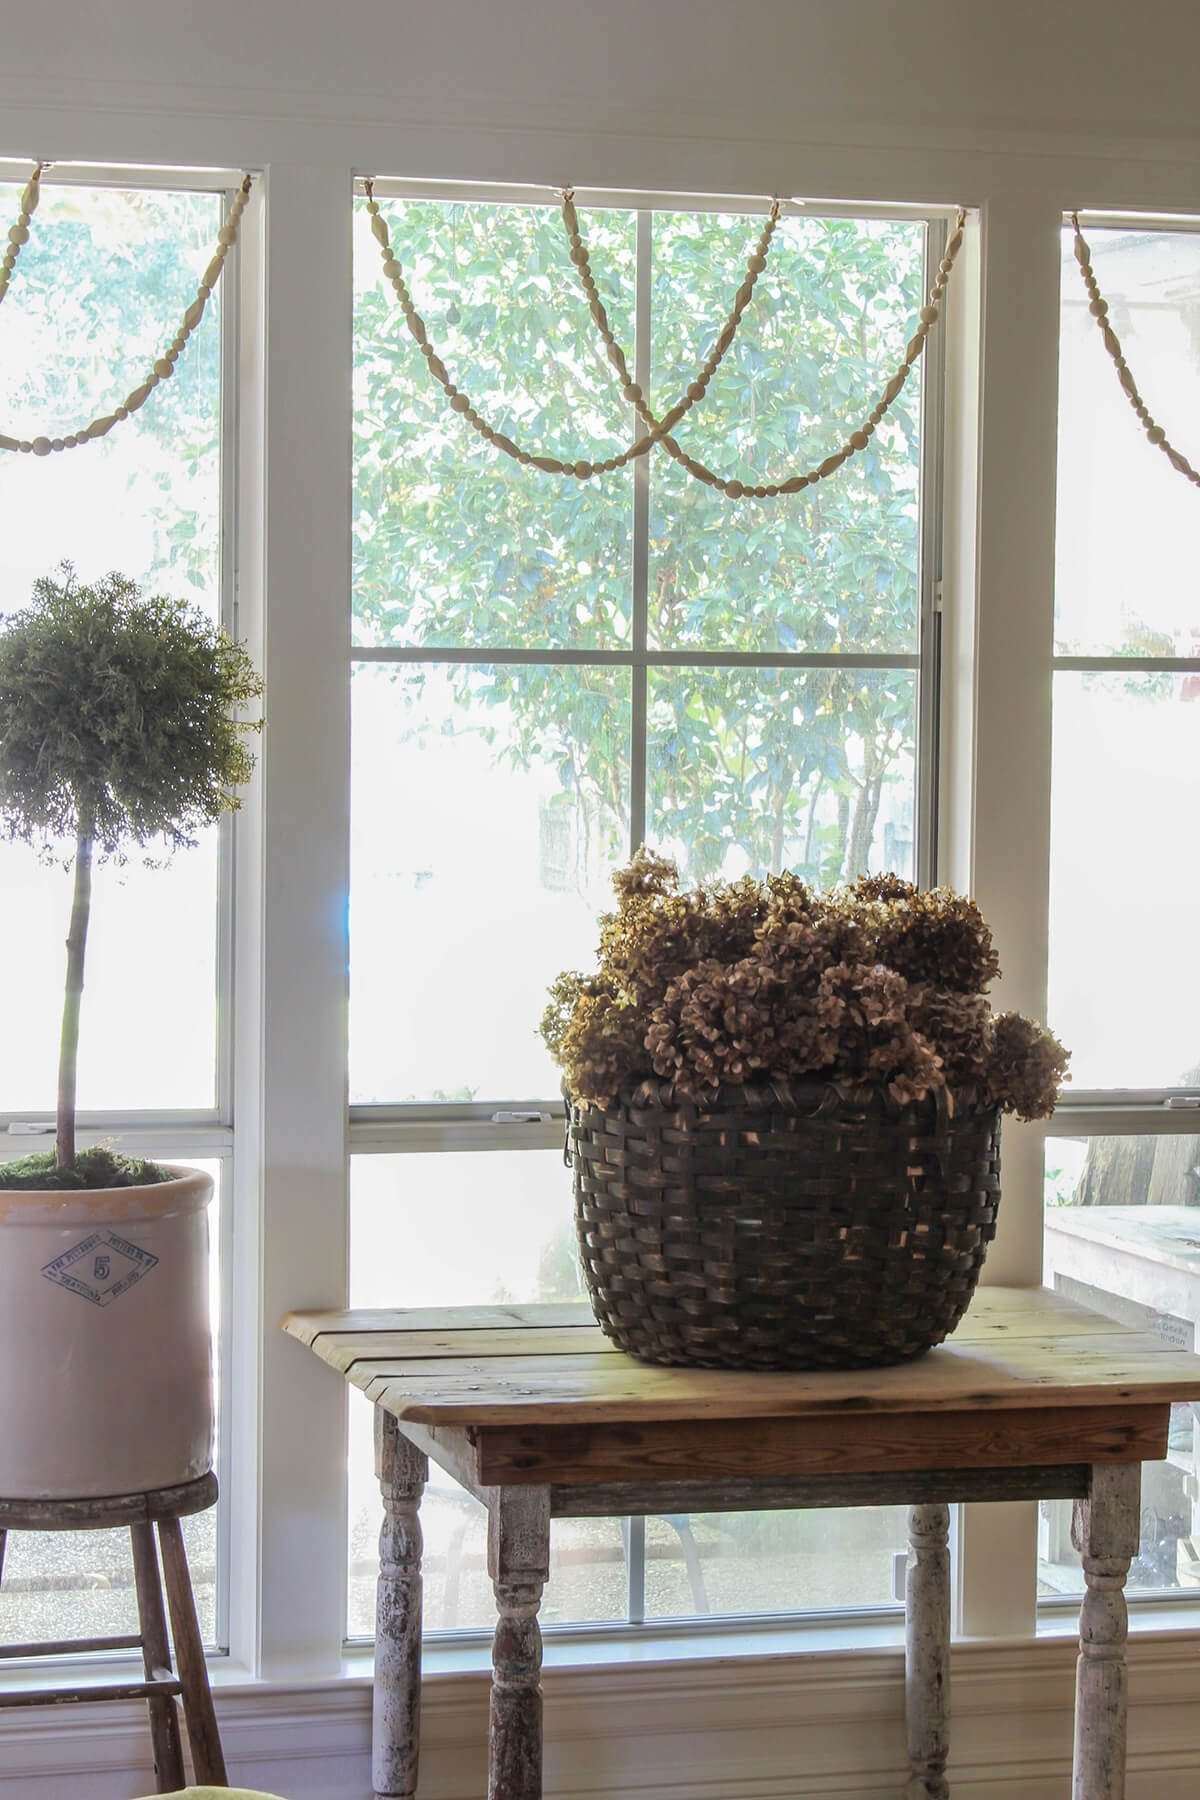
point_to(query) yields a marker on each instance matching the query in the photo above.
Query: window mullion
(640, 564)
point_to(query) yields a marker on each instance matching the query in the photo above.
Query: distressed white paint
(519, 1564)
(396, 1709)
(927, 1652)
(1105, 1532)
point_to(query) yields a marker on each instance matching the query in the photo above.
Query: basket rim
(814, 1096)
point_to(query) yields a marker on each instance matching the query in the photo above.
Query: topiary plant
(119, 726)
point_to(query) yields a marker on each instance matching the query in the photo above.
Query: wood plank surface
(500, 1366)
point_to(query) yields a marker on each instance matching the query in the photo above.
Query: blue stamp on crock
(101, 1267)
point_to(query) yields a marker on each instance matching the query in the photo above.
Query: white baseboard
(787, 1727)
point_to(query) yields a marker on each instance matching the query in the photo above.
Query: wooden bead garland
(660, 429)
(1112, 343)
(19, 233)
(164, 366)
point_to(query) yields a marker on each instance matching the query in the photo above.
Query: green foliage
(117, 716)
(454, 545)
(98, 1167)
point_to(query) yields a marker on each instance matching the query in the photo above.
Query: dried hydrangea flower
(878, 983)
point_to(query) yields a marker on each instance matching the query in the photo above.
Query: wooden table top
(499, 1366)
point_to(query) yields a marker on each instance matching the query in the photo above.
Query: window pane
(453, 542)
(467, 1229)
(1122, 1236)
(97, 294)
(773, 1562)
(809, 770)
(1124, 872)
(462, 1228)
(489, 805)
(1121, 582)
(829, 569)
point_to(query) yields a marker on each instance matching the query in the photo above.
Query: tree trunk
(69, 1043)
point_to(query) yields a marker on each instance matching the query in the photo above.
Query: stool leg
(203, 1736)
(156, 1659)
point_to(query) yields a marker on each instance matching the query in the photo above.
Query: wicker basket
(783, 1226)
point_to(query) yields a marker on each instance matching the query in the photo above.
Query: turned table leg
(396, 1700)
(519, 1563)
(1105, 1532)
(927, 1652)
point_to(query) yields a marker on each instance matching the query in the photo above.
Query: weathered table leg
(927, 1652)
(396, 1699)
(1105, 1531)
(518, 1562)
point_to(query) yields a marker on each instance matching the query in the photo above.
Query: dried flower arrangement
(876, 984)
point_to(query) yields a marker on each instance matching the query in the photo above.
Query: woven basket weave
(783, 1226)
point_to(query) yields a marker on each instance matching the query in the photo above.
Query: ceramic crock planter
(105, 1344)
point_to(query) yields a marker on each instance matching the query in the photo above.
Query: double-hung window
(548, 671)
(96, 294)
(1123, 1153)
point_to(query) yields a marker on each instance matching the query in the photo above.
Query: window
(547, 672)
(97, 293)
(1125, 852)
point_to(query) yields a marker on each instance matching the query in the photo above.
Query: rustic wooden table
(536, 1413)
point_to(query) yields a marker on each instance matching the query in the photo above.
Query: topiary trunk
(68, 1054)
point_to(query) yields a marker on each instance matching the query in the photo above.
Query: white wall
(1017, 110)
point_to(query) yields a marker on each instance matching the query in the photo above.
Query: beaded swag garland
(660, 429)
(164, 366)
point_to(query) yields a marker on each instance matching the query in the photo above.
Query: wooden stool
(163, 1507)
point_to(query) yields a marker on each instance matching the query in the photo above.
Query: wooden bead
(734, 489)
(582, 471)
(459, 403)
(164, 367)
(757, 264)
(1156, 434)
(41, 446)
(858, 440)
(696, 391)
(929, 315)
(57, 443)
(19, 234)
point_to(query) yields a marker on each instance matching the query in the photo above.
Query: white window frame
(383, 1128)
(182, 1134)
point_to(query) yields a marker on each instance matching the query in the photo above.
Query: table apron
(826, 1445)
